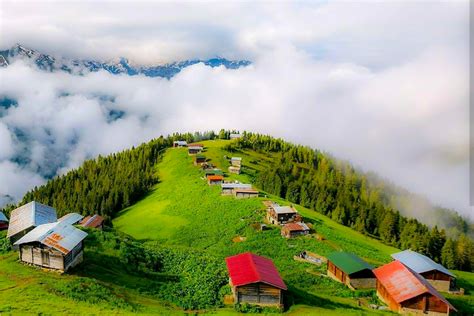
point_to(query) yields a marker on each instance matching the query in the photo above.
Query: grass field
(182, 215)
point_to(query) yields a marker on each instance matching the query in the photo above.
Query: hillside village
(410, 284)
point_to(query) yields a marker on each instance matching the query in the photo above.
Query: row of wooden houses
(44, 240)
(410, 284)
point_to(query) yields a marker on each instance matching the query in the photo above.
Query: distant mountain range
(123, 66)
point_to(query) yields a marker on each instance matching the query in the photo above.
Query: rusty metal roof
(30, 215)
(402, 283)
(296, 226)
(3, 218)
(419, 263)
(92, 221)
(59, 235)
(215, 177)
(71, 218)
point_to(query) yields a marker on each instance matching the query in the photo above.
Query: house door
(45, 258)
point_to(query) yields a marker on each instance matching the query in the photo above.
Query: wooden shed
(234, 169)
(180, 143)
(291, 230)
(213, 172)
(280, 215)
(439, 277)
(199, 159)
(57, 246)
(407, 292)
(351, 270)
(235, 136)
(94, 221)
(229, 187)
(236, 161)
(255, 280)
(194, 149)
(24, 218)
(3, 221)
(245, 193)
(214, 180)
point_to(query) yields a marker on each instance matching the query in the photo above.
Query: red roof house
(405, 291)
(255, 280)
(94, 221)
(214, 179)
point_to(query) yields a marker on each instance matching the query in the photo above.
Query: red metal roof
(295, 227)
(248, 268)
(215, 177)
(92, 221)
(402, 283)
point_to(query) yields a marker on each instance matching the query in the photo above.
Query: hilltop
(166, 250)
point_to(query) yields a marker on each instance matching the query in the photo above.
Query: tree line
(334, 188)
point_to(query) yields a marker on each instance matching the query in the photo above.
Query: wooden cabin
(57, 246)
(279, 215)
(194, 149)
(245, 193)
(235, 136)
(180, 143)
(229, 187)
(215, 180)
(213, 172)
(94, 221)
(255, 280)
(25, 218)
(234, 169)
(199, 159)
(350, 270)
(407, 292)
(439, 277)
(236, 161)
(291, 230)
(3, 221)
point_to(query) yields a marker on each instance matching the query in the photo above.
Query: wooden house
(194, 149)
(255, 280)
(27, 217)
(57, 246)
(351, 270)
(3, 221)
(234, 169)
(235, 136)
(236, 161)
(229, 187)
(214, 180)
(94, 221)
(245, 193)
(291, 230)
(180, 143)
(407, 292)
(279, 215)
(199, 159)
(439, 277)
(213, 172)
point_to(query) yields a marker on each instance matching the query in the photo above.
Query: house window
(45, 258)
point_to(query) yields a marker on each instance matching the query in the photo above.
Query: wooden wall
(47, 257)
(258, 293)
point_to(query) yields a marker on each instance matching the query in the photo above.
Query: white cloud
(384, 85)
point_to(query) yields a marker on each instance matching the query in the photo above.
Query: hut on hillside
(71, 218)
(94, 221)
(214, 180)
(351, 270)
(229, 187)
(236, 161)
(407, 292)
(27, 217)
(280, 215)
(291, 230)
(245, 193)
(439, 277)
(235, 136)
(199, 159)
(234, 169)
(180, 143)
(255, 280)
(3, 221)
(194, 149)
(213, 172)
(56, 246)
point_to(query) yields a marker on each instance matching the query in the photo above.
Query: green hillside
(166, 254)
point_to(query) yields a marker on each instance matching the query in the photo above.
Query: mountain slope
(50, 63)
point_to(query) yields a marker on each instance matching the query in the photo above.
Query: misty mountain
(122, 66)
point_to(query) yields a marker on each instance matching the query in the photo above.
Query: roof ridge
(254, 267)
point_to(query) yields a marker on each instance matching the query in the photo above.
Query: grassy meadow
(166, 254)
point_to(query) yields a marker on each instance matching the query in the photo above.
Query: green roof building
(351, 270)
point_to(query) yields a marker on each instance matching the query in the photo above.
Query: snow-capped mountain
(75, 66)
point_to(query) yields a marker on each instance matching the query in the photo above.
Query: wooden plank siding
(50, 258)
(359, 280)
(259, 294)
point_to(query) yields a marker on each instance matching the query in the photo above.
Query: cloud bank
(382, 85)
